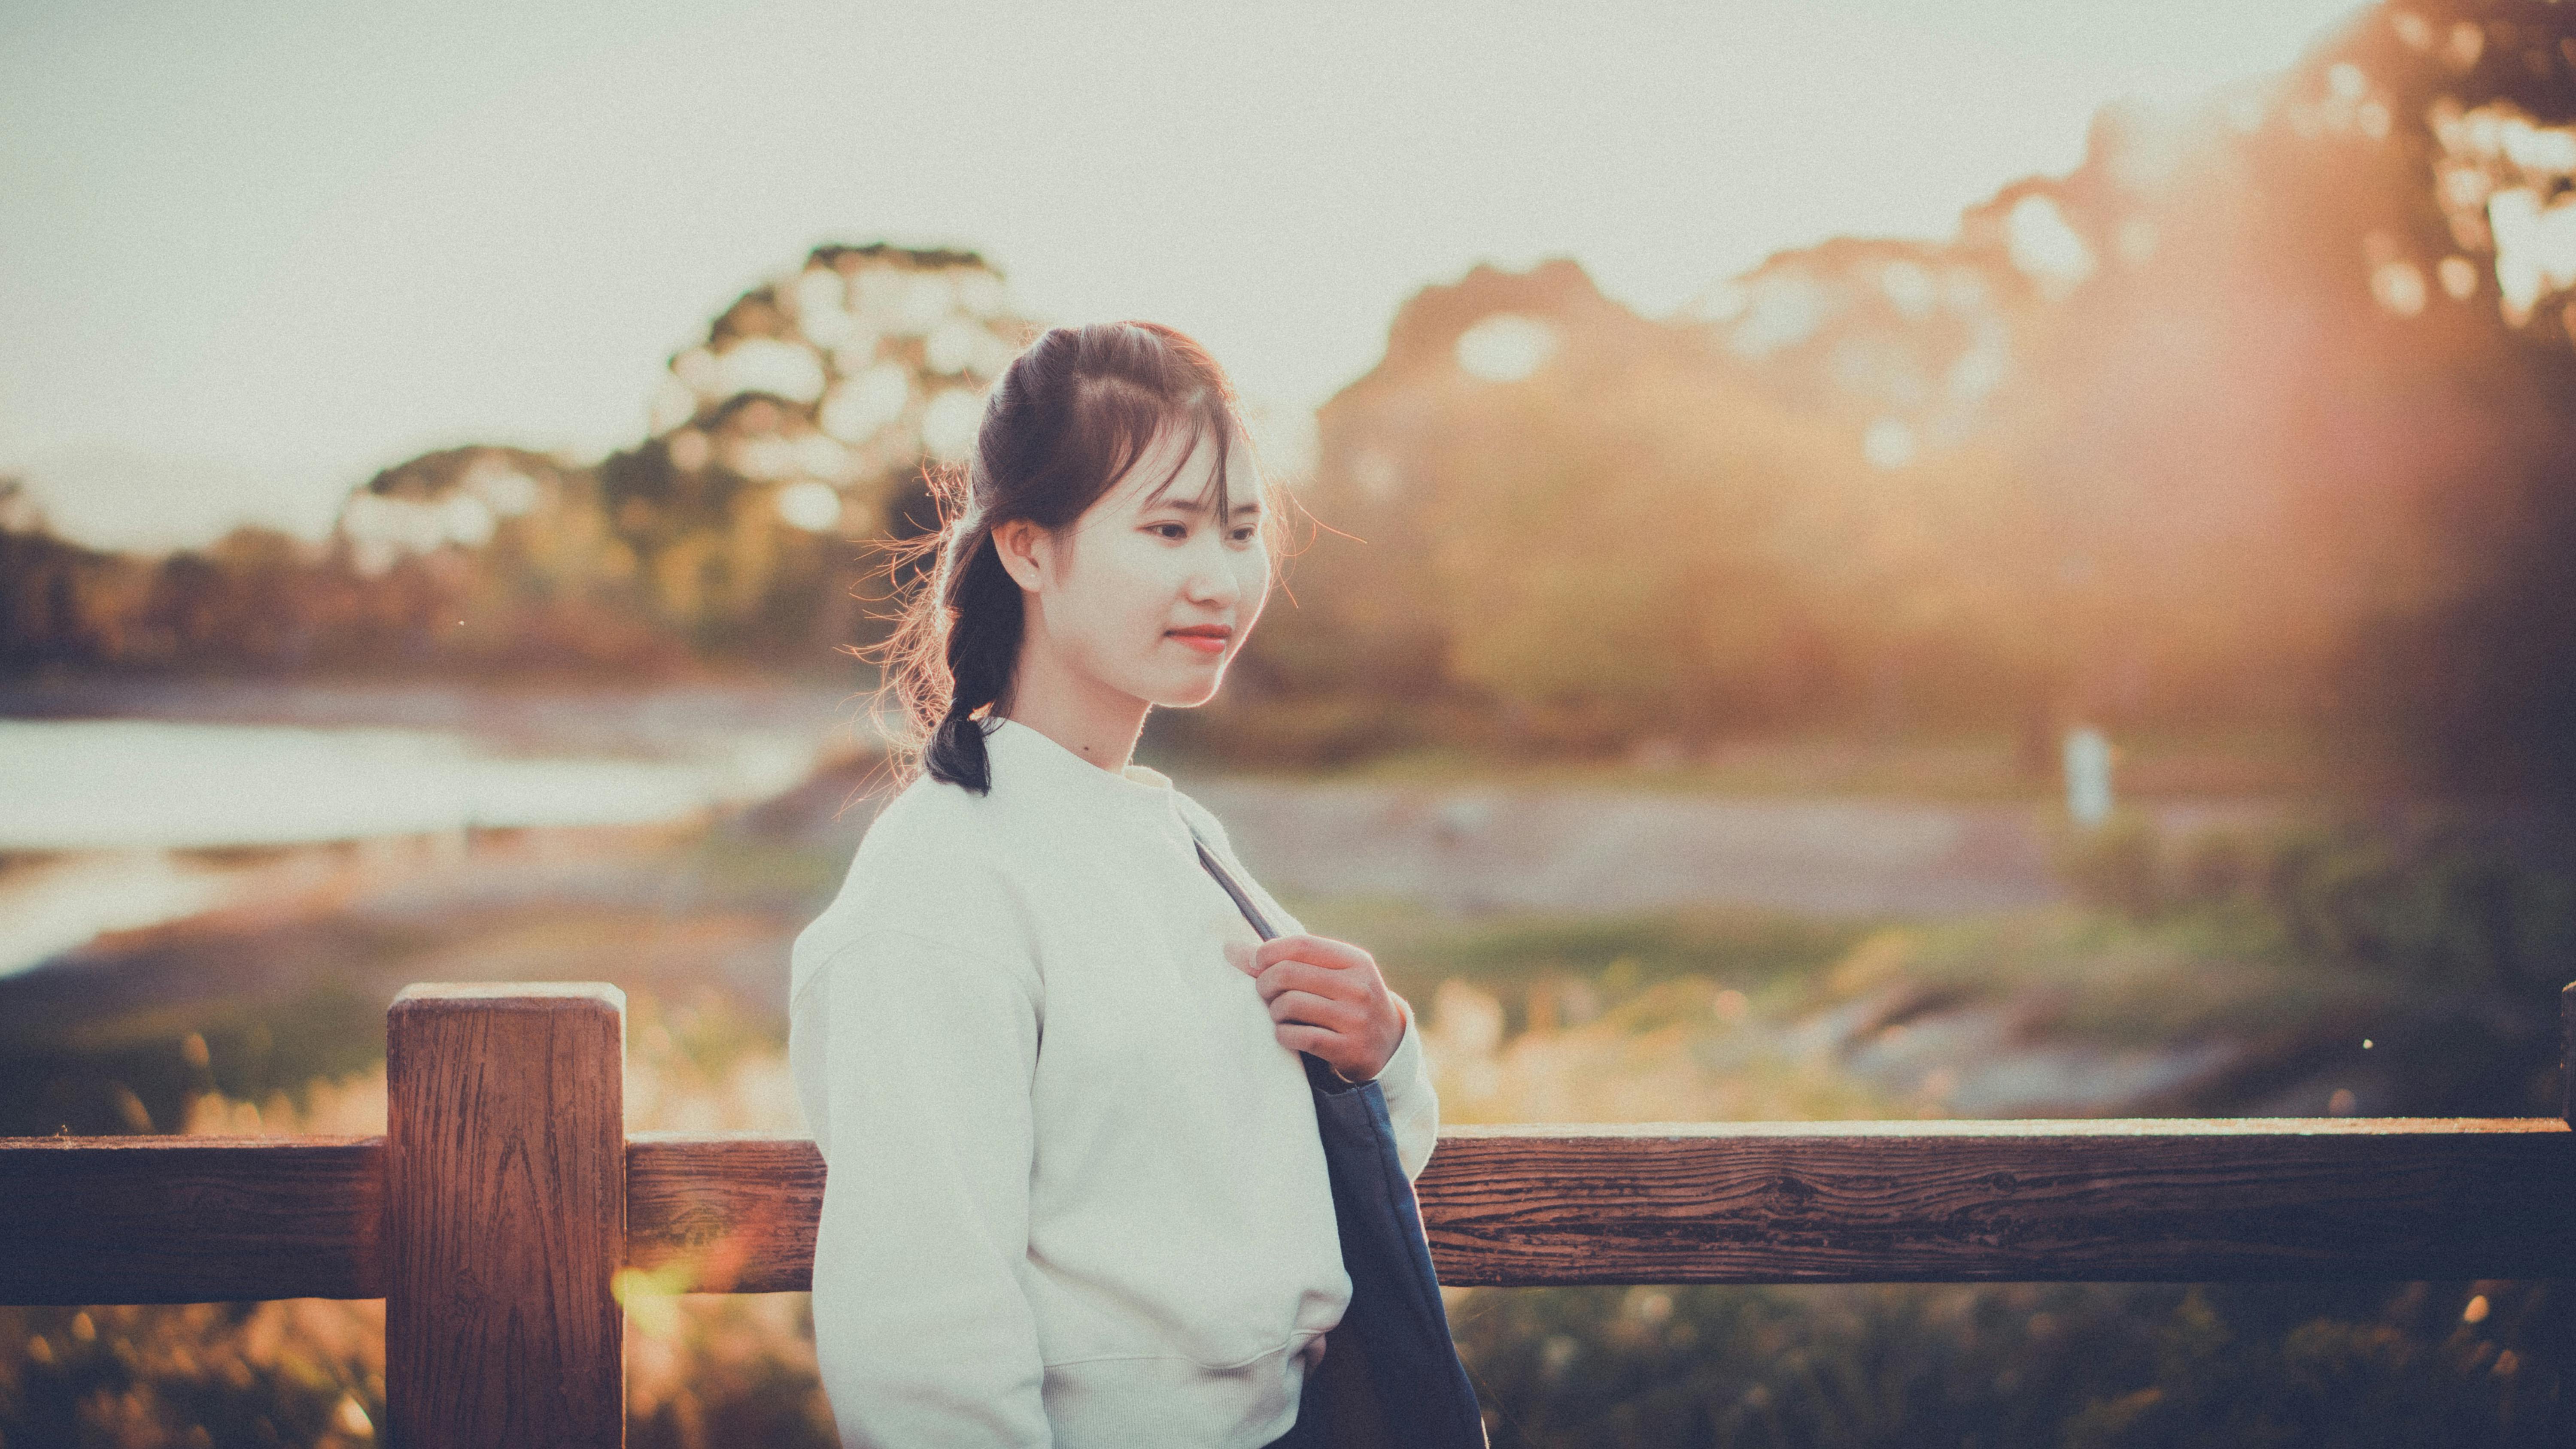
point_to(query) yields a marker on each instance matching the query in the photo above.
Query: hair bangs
(1206, 415)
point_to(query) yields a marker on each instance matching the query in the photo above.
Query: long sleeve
(1412, 1107)
(916, 1060)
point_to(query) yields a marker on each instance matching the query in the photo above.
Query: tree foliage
(2260, 415)
(794, 432)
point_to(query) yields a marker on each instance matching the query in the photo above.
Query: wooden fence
(506, 1194)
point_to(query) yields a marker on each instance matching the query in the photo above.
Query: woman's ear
(1018, 542)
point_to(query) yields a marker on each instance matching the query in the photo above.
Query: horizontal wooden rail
(727, 1214)
(2083, 1200)
(2128, 1200)
(190, 1219)
(185, 1219)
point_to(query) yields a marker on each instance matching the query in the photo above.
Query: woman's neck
(1095, 723)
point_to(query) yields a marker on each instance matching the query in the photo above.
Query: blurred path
(1585, 850)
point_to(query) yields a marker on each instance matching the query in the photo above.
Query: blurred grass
(2064, 1366)
(1521, 957)
(2095, 975)
(136, 1070)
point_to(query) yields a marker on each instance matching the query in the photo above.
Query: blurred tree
(801, 422)
(1601, 528)
(499, 558)
(2260, 415)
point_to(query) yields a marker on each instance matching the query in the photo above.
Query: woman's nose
(1212, 575)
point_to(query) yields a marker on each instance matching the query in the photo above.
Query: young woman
(1077, 1196)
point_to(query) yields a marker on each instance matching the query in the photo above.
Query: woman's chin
(1188, 694)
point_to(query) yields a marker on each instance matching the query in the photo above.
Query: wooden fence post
(505, 1216)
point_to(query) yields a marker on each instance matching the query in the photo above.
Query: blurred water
(121, 784)
(116, 824)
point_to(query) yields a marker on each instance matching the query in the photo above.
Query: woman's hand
(1327, 999)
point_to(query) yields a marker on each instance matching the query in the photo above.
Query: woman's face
(1148, 594)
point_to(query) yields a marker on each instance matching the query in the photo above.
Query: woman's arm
(921, 1329)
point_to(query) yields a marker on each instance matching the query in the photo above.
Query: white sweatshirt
(1076, 1195)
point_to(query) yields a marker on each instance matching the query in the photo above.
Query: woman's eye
(1178, 530)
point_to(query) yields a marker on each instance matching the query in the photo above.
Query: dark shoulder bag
(1391, 1375)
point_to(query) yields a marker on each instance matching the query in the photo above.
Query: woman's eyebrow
(1200, 505)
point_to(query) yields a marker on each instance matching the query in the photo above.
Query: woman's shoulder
(927, 814)
(1205, 822)
(1201, 818)
(928, 868)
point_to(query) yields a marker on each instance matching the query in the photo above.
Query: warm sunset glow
(1966, 602)
(500, 228)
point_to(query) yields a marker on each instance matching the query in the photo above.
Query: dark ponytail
(1067, 419)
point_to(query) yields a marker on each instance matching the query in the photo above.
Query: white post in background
(2088, 776)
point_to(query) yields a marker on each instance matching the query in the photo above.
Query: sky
(250, 254)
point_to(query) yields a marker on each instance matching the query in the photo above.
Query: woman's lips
(1210, 644)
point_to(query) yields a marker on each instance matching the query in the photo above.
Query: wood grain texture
(724, 1214)
(168, 1220)
(2127, 1200)
(189, 1219)
(505, 1221)
(2138, 1200)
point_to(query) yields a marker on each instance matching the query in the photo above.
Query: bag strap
(1319, 1073)
(1225, 878)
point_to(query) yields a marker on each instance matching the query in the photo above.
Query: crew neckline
(1022, 742)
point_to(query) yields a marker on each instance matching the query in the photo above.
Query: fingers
(1312, 1010)
(1319, 950)
(1340, 985)
(1349, 1056)
(1356, 1049)
(1240, 955)
(1326, 999)
(1315, 1040)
